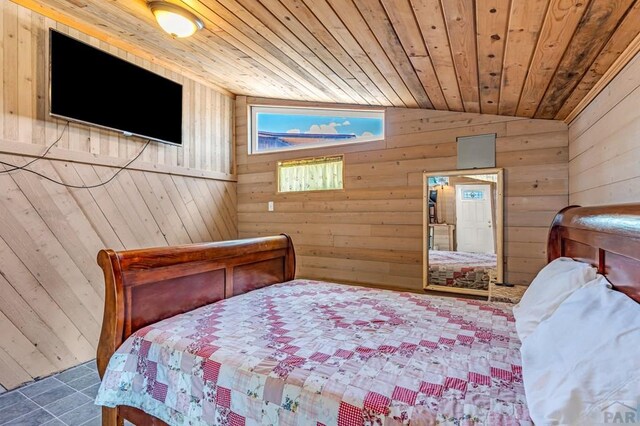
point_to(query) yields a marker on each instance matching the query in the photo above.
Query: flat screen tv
(95, 87)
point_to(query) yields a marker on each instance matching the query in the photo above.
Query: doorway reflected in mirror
(463, 230)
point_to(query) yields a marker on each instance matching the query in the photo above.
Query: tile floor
(62, 399)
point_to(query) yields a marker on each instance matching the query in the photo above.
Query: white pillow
(553, 284)
(582, 363)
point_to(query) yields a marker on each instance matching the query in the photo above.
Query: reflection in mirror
(463, 230)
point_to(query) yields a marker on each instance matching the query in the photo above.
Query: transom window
(311, 174)
(286, 128)
(472, 195)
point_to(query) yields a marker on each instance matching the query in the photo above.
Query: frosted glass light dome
(174, 19)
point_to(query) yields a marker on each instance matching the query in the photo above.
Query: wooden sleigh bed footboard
(145, 286)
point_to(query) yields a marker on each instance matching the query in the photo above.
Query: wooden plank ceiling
(529, 58)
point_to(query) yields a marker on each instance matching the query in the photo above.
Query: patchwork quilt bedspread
(314, 353)
(460, 269)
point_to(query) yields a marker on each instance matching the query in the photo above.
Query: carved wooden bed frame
(607, 237)
(146, 286)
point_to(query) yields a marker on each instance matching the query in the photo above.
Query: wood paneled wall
(604, 144)
(51, 289)
(26, 126)
(372, 231)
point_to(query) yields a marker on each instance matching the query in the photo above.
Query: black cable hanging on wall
(15, 167)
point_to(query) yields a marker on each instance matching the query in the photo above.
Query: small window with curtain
(311, 174)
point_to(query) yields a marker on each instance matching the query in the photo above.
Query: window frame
(279, 163)
(254, 109)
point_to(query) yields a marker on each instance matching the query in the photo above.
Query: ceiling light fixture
(174, 19)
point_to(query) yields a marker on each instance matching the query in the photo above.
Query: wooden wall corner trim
(57, 154)
(604, 145)
(625, 58)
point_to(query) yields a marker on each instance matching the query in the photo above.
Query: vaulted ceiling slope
(529, 58)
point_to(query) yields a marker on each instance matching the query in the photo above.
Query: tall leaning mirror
(463, 230)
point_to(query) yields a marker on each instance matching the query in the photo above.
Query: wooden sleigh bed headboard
(608, 237)
(145, 286)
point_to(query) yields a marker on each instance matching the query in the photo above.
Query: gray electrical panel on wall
(477, 152)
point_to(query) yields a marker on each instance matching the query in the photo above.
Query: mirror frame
(499, 229)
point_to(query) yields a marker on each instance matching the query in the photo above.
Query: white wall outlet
(270, 206)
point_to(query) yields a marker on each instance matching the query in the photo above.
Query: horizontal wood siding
(51, 288)
(604, 144)
(371, 232)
